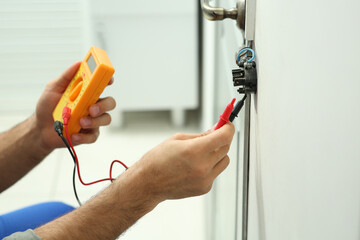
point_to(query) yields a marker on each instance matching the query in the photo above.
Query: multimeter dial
(76, 88)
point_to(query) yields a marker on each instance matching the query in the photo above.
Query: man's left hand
(90, 124)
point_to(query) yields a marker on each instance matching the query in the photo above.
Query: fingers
(216, 139)
(184, 136)
(98, 114)
(60, 84)
(89, 122)
(220, 153)
(214, 173)
(102, 106)
(98, 117)
(213, 144)
(111, 81)
(85, 136)
(220, 166)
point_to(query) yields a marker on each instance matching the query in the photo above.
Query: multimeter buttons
(85, 88)
(76, 88)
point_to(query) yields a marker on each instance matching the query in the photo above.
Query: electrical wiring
(111, 167)
(78, 167)
(58, 128)
(242, 51)
(249, 46)
(245, 53)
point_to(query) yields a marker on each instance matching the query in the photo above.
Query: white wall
(305, 149)
(39, 39)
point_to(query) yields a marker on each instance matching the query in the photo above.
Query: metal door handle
(215, 13)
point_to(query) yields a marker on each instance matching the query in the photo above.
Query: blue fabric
(31, 217)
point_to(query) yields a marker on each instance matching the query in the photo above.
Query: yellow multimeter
(85, 88)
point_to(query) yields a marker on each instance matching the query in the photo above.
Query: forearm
(183, 166)
(107, 215)
(21, 149)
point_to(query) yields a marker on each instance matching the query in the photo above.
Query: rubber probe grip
(224, 118)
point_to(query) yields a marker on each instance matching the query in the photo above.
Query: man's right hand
(186, 165)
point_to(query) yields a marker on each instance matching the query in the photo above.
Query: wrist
(36, 139)
(109, 214)
(136, 183)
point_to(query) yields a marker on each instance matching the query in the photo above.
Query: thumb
(60, 83)
(185, 136)
(218, 138)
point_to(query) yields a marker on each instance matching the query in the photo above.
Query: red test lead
(224, 118)
(66, 114)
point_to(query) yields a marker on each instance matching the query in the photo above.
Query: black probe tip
(237, 109)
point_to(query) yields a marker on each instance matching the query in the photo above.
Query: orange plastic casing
(85, 88)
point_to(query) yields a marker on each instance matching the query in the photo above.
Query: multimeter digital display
(85, 88)
(91, 63)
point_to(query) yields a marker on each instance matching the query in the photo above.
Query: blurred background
(156, 49)
(173, 74)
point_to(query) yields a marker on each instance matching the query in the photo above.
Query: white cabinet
(153, 47)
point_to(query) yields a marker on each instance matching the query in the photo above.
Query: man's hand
(90, 124)
(186, 165)
(183, 166)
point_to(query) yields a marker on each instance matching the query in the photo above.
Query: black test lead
(237, 109)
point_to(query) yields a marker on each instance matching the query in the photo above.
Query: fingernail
(95, 110)
(85, 122)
